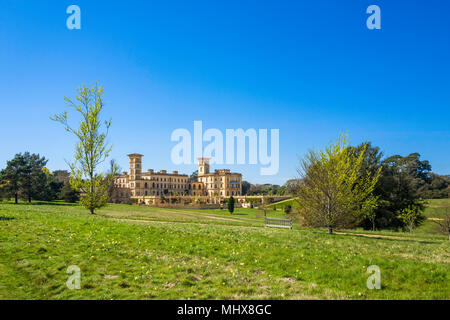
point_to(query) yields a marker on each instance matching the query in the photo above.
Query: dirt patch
(288, 279)
(375, 236)
(172, 284)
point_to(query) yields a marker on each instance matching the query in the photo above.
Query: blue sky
(307, 68)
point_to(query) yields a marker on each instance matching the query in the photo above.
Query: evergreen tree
(23, 177)
(231, 204)
(68, 194)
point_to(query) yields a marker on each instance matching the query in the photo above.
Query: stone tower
(203, 166)
(135, 165)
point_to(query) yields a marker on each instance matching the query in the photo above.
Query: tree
(10, 177)
(263, 189)
(400, 187)
(231, 204)
(245, 187)
(33, 175)
(91, 149)
(412, 216)
(404, 181)
(334, 192)
(24, 177)
(68, 194)
(438, 187)
(291, 186)
(371, 164)
(46, 186)
(194, 175)
(113, 170)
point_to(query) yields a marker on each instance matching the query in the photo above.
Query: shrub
(288, 209)
(231, 205)
(68, 194)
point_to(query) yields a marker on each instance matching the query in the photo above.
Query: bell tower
(203, 166)
(135, 165)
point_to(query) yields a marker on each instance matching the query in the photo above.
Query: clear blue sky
(308, 68)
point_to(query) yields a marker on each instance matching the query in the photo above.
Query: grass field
(132, 252)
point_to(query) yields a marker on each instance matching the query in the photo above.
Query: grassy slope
(436, 208)
(130, 252)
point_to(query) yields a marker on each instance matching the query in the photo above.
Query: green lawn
(132, 252)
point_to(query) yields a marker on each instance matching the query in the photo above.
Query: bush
(231, 205)
(131, 201)
(288, 209)
(68, 194)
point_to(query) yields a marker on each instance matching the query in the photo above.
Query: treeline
(26, 178)
(428, 186)
(288, 188)
(401, 186)
(404, 183)
(350, 186)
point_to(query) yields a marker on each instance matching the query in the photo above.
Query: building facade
(222, 182)
(139, 184)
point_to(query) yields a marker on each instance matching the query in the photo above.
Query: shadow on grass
(6, 218)
(40, 203)
(387, 238)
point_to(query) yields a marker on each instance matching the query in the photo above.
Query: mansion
(138, 184)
